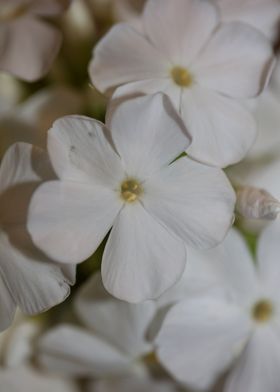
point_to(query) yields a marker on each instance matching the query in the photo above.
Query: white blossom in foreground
(28, 44)
(28, 280)
(237, 324)
(155, 204)
(111, 345)
(28, 380)
(204, 68)
(261, 14)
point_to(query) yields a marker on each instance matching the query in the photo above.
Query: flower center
(9, 13)
(181, 76)
(262, 311)
(131, 190)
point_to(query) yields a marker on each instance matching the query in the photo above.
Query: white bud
(255, 203)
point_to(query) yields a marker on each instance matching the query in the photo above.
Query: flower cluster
(147, 177)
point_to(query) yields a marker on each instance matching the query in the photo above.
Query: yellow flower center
(181, 76)
(9, 13)
(131, 190)
(262, 311)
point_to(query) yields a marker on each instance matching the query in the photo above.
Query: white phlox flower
(128, 179)
(236, 325)
(28, 44)
(205, 67)
(112, 343)
(261, 14)
(28, 280)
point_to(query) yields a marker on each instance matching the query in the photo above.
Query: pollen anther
(181, 76)
(262, 311)
(131, 190)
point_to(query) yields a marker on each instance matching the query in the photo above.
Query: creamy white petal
(195, 201)
(74, 351)
(268, 251)
(80, 151)
(257, 370)
(26, 379)
(68, 220)
(116, 61)
(34, 284)
(262, 14)
(179, 28)
(222, 129)
(199, 339)
(122, 324)
(148, 134)
(236, 61)
(142, 258)
(24, 163)
(33, 45)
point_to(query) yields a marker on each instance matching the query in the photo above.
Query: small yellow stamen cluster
(131, 190)
(10, 13)
(181, 76)
(262, 311)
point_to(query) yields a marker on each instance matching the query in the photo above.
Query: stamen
(262, 311)
(131, 190)
(181, 76)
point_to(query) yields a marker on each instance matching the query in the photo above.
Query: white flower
(28, 380)
(237, 324)
(112, 344)
(28, 45)
(28, 279)
(155, 205)
(205, 69)
(261, 14)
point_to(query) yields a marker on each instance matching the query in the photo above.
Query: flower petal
(80, 151)
(148, 142)
(7, 305)
(135, 384)
(34, 284)
(193, 200)
(68, 220)
(236, 61)
(117, 62)
(222, 130)
(258, 368)
(179, 28)
(136, 262)
(76, 352)
(122, 324)
(268, 257)
(30, 49)
(200, 338)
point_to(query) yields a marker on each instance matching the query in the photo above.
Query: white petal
(76, 352)
(258, 368)
(268, 257)
(193, 200)
(146, 142)
(24, 163)
(117, 62)
(222, 130)
(122, 324)
(263, 15)
(79, 151)
(35, 285)
(49, 8)
(7, 306)
(235, 62)
(25, 379)
(32, 47)
(179, 28)
(68, 220)
(199, 339)
(136, 262)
